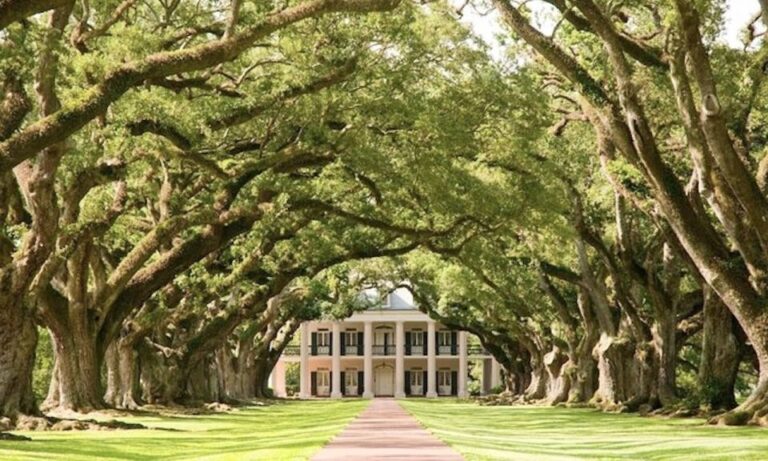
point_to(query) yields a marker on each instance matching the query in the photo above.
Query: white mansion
(390, 350)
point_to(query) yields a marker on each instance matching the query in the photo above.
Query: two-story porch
(381, 352)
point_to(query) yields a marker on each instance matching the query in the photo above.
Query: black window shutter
(407, 344)
(314, 343)
(343, 343)
(437, 382)
(453, 343)
(424, 383)
(425, 345)
(360, 382)
(343, 384)
(313, 382)
(407, 382)
(437, 343)
(360, 343)
(454, 382)
(330, 344)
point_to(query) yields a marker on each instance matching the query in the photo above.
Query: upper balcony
(446, 345)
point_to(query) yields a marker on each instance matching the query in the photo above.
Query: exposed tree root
(753, 411)
(52, 423)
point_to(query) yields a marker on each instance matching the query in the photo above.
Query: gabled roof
(400, 299)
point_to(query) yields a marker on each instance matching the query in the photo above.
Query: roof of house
(399, 299)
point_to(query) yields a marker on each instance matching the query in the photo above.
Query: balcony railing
(418, 350)
(351, 349)
(388, 349)
(445, 350)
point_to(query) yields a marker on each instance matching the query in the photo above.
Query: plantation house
(392, 349)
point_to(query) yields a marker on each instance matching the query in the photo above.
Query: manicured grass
(546, 433)
(284, 431)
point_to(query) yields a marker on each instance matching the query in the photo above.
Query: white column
(399, 360)
(368, 361)
(495, 373)
(461, 389)
(431, 361)
(278, 379)
(304, 389)
(335, 361)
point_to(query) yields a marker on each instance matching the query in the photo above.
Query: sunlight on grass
(545, 433)
(289, 430)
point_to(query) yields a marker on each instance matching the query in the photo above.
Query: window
(416, 377)
(323, 338)
(417, 338)
(350, 377)
(350, 337)
(444, 338)
(444, 378)
(323, 378)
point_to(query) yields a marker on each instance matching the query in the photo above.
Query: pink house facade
(393, 350)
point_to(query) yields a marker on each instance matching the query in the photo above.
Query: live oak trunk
(559, 375)
(77, 373)
(18, 339)
(236, 374)
(616, 371)
(665, 350)
(537, 387)
(122, 378)
(720, 355)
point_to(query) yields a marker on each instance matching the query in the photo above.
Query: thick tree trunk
(664, 331)
(537, 388)
(644, 389)
(559, 375)
(262, 371)
(616, 372)
(720, 355)
(583, 374)
(121, 375)
(159, 377)
(78, 373)
(198, 382)
(583, 382)
(18, 340)
(236, 373)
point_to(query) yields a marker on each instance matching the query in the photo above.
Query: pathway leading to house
(385, 431)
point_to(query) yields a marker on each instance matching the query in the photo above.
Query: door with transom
(384, 380)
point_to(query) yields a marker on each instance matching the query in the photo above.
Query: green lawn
(545, 434)
(284, 431)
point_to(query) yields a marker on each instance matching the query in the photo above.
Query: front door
(384, 380)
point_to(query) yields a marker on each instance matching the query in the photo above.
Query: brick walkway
(384, 431)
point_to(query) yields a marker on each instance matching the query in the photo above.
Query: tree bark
(559, 375)
(664, 332)
(720, 355)
(18, 340)
(537, 387)
(583, 382)
(78, 372)
(121, 375)
(616, 371)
